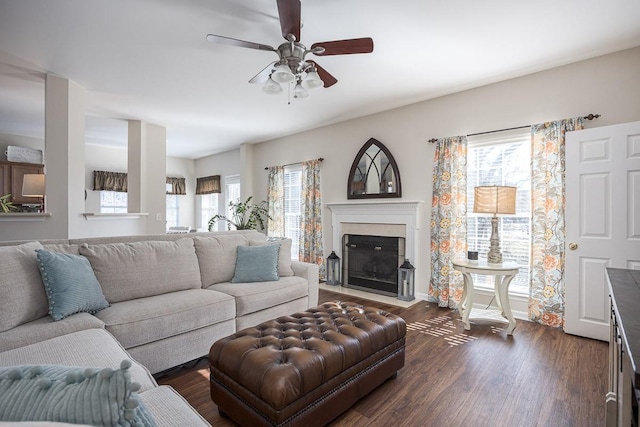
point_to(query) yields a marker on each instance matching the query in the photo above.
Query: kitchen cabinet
(624, 348)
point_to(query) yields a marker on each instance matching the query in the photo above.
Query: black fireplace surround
(371, 263)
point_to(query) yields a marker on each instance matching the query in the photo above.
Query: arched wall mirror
(374, 173)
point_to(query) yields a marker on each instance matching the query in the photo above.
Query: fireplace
(371, 262)
(388, 219)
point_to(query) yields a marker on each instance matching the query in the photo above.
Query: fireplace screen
(371, 263)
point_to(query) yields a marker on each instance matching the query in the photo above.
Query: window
(113, 202)
(173, 208)
(502, 161)
(231, 193)
(293, 206)
(208, 209)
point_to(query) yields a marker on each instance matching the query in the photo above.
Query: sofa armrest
(311, 273)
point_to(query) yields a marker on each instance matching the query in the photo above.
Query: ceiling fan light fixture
(271, 87)
(299, 91)
(283, 74)
(312, 80)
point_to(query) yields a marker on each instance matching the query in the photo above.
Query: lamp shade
(299, 91)
(283, 74)
(312, 80)
(33, 185)
(271, 87)
(494, 199)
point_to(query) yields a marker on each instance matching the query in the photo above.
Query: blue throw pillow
(70, 284)
(256, 264)
(71, 394)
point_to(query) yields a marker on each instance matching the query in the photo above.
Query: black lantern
(333, 269)
(406, 277)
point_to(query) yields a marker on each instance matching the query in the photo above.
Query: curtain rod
(296, 163)
(588, 117)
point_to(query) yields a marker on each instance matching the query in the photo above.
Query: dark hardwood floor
(482, 377)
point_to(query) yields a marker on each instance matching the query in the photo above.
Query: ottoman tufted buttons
(295, 369)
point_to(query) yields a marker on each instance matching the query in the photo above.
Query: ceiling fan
(292, 65)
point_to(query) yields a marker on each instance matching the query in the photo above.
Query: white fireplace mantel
(379, 212)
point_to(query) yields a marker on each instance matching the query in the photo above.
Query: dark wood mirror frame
(358, 179)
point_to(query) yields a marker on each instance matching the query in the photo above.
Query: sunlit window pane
(113, 202)
(505, 162)
(293, 206)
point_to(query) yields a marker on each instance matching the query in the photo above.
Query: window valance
(110, 181)
(208, 184)
(178, 186)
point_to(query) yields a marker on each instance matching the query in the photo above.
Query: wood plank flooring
(482, 377)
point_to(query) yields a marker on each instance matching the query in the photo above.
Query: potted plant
(245, 215)
(6, 205)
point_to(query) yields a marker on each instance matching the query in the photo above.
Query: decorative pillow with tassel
(71, 394)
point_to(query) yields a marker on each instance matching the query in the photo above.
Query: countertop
(624, 288)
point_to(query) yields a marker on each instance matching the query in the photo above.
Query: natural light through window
(502, 161)
(208, 209)
(173, 210)
(232, 192)
(293, 206)
(113, 202)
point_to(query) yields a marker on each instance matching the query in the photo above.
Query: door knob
(573, 246)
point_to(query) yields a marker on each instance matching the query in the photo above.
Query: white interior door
(602, 222)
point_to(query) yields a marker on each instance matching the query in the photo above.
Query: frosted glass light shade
(33, 185)
(300, 92)
(312, 81)
(283, 74)
(494, 199)
(271, 87)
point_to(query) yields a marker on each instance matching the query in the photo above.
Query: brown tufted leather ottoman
(307, 368)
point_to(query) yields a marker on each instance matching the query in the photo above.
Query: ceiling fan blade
(289, 11)
(345, 47)
(326, 78)
(240, 43)
(263, 75)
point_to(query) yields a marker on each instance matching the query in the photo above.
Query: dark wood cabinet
(624, 348)
(11, 177)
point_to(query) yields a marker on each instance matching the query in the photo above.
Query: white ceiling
(149, 59)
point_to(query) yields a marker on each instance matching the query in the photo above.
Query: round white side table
(503, 273)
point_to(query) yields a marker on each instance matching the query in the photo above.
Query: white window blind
(173, 210)
(502, 160)
(232, 192)
(208, 209)
(113, 202)
(293, 206)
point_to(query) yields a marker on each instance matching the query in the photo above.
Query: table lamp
(33, 186)
(494, 200)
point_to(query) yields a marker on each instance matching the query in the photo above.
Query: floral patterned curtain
(311, 222)
(178, 186)
(110, 181)
(546, 293)
(448, 220)
(275, 201)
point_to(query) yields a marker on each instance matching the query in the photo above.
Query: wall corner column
(64, 153)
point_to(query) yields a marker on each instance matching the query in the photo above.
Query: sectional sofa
(164, 300)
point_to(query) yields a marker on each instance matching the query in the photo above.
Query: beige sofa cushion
(65, 248)
(142, 321)
(45, 328)
(284, 256)
(91, 348)
(252, 297)
(217, 257)
(169, 409)
(22, 295)
(128, 271)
